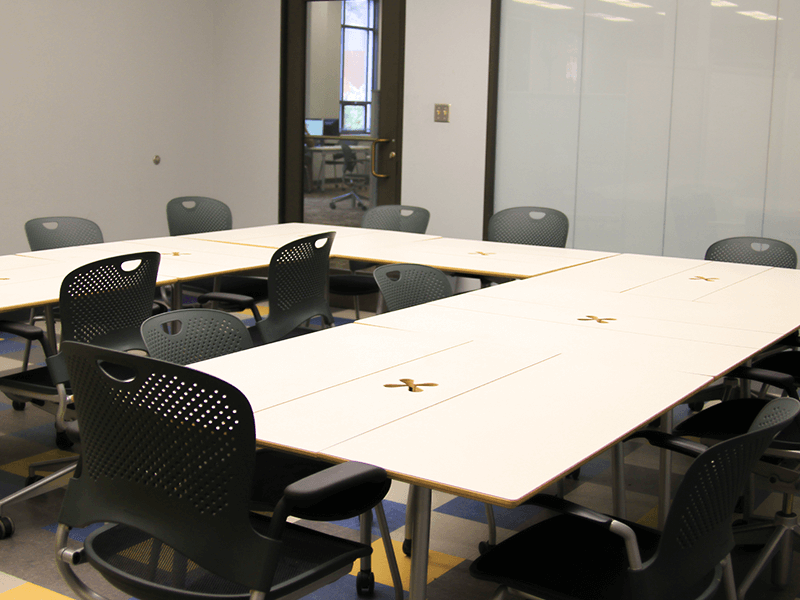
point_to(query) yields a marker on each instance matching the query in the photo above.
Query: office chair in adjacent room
(351, 178)
(395, 217)
(195, 334)
(532, 225)
(297, 289)
(188, 215)
(174, 497)
(102, 303)
(581, 554)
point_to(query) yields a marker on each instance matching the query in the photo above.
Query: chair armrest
(669, 441)
(323, 484)
(27, 331)
(614, 526)
(320, 486)
(239, 300)
(57, 368)
(773, 378)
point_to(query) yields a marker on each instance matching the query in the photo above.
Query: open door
(342, 69)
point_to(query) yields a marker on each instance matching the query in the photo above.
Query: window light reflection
(628, 3)
(543, 4)
(757, 14)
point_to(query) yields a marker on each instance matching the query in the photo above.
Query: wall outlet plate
(441, 113)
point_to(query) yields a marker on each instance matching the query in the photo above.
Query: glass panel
(357, 12)
(355, 117)
(355, 58)
(339, 59)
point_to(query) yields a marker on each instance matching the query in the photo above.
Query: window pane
(354, 117)
(355, 58)
(356, 12)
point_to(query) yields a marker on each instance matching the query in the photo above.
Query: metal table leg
(618, 480)
(419, 552)
(665, 471)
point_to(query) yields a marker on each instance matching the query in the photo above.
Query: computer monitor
(330, 127)
(314, 126)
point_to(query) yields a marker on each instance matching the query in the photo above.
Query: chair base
(356, 199)
(778, 551)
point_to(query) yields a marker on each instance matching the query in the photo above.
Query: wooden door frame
(294, 18)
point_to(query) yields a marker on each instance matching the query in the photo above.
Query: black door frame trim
(491, 114)
(294, 19)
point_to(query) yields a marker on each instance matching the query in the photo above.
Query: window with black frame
(357, 66)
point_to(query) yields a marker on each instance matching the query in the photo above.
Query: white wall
(446, 62)
(93, 90)
(246, 145)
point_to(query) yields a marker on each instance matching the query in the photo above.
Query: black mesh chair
(406, 285)
(192, 335)
(46, 233)
(188, 215)
(753, 251)
(532, 225)
(582, 554)
(779, 474)
(59, 232)
(351, 178)
(197, 214)
(298, 289)
(395, 217)
(167, 466)
(102, 303)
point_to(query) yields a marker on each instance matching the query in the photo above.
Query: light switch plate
(441, 113)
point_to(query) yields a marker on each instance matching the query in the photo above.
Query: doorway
(341, 85)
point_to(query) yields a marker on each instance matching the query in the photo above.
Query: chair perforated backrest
(532, 225)
(46, 233)
(197, 214)
(698, 534)
(753, 251)
(169, 451)
(407, 285)
(105, 302)
(298, 286)
(193, 334)
(397, 217)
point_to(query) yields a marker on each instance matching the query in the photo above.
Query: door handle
(375, 155)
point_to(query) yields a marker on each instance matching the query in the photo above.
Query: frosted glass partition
(657, 126)
(782, 214)
(539, 105)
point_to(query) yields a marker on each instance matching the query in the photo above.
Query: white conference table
(562, 366)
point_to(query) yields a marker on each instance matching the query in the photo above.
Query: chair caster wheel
(32, 479)
(332, 205)
(484, 547)
(62, 441)
(695, 406)
(18, 405)
(407, 547)
(575, 474)
(365, 583)
(6, 528)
